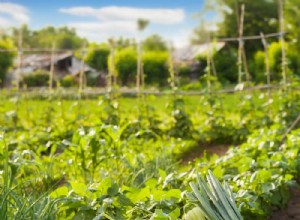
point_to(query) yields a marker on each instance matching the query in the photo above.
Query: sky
(99, 20)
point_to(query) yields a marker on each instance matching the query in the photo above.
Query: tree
(64, 37)
(97, 57)
(6, 58)
(154, 43)
(292, 15)
(122, 43)
(260, 16)
(28, 39)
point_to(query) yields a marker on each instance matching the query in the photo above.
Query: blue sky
(99, 20)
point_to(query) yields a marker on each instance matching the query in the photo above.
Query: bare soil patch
(293, 209)
(210, 149)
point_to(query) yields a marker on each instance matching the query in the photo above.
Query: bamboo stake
(281, 22)
(213, 66)
(138, 74)
(290, 128)
(20, 59)
(246, 65)
(208, 59)
(51, 73)
(266, 48)
(111, 74)
(82, 68)
(240, 51)
(172, 70)
(210, 54)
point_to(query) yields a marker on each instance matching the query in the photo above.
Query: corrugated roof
(42, 60)
(189, 53)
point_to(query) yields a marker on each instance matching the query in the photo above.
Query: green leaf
(60, 192)
(79, 188)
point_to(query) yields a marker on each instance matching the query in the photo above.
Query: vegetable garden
(124, 157)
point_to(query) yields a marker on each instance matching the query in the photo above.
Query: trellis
(241, 62)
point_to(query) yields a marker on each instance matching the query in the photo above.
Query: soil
(293, 209)
(291, 212)
(219, 149)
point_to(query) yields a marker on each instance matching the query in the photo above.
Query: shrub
(68, 81)
(275, 55)
(6, 59)
(183, 70)
(275, 61)
(156, 68)
(126, 65)
(225, 63)
(37, 78)
(193, 86)
(259, 67)
(97, 58)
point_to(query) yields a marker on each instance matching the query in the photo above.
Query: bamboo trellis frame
(140, 79)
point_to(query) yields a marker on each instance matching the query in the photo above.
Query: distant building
(65, 63)
(188, 56)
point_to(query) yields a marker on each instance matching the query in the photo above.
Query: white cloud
(110, 26)
(114, 21)
(13, 14)
(114, 13)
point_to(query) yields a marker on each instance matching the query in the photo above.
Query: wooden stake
(281, 22)
(266, 48)
(51, 73)
(241, 43)
(172, 70)
(139, 67)
(111, 73)
(208, 58)
(213, 66)
(290, 128)
(210, 54)
(82, 68)
(20, 59)
(246, 65)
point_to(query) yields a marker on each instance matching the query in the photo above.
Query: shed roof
(189, 53)
(42, 60)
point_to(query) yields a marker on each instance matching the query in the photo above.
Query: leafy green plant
(38, 78)
(215, 201)
(67, 81)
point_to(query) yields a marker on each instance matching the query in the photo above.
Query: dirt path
(293, 209)
(219, 149)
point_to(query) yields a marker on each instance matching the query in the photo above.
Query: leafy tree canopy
(154, 43)
(63, 37)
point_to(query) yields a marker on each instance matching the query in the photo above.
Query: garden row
(111, 160)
